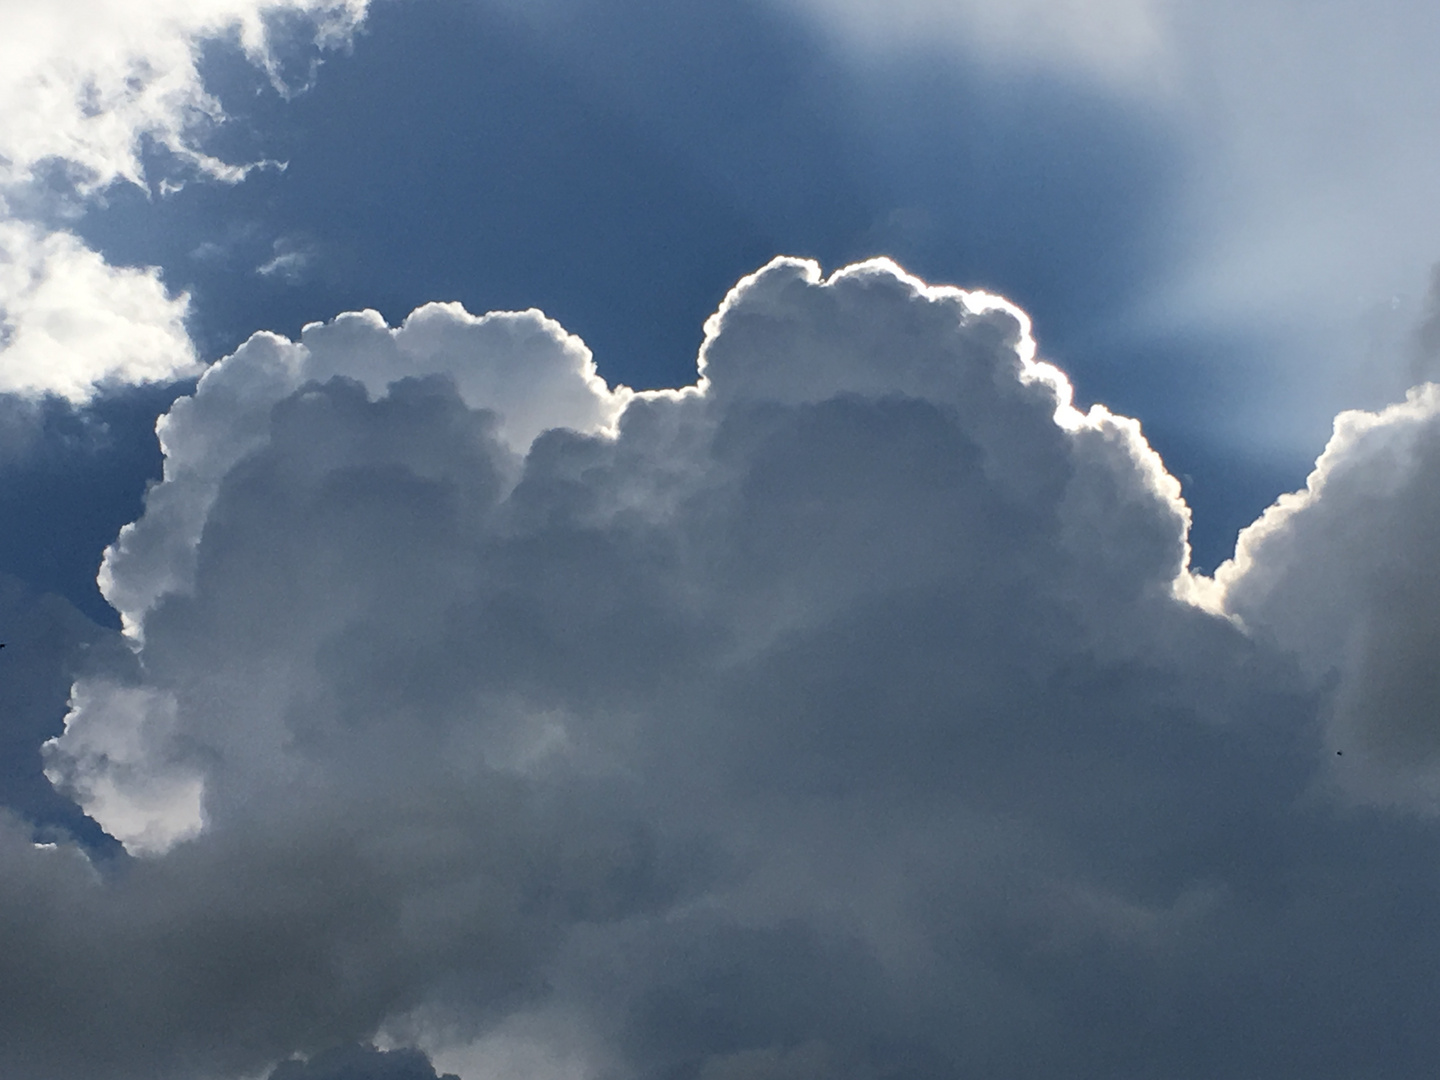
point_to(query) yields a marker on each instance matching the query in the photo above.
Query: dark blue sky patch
(622, 166)
(360, 1063)
(47, 642)
(73, 477)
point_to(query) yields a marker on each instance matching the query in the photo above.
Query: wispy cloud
(85, 85)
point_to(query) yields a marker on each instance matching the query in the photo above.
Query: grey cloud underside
(841, 719)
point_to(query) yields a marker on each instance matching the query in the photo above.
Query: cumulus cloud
(522, 365)
(85, 86)
(847, 714)
(1342, 575)
(47, 644)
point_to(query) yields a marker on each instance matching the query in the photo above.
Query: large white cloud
(84, 85)
(844, 715)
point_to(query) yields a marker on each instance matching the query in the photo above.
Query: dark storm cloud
(853, 714)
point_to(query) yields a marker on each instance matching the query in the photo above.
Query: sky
(754, 540)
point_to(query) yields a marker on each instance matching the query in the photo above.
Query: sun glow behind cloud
(1311, 158)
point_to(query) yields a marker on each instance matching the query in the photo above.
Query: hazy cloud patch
(69, 321)
(290, 262)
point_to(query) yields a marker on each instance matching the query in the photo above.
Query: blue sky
(618, 166)
(621, 166)
(508, 680)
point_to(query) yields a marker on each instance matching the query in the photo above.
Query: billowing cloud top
(1302, 211)
(850, 713)
(784, 338)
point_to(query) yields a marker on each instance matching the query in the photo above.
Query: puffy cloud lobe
(69, 320)
(842, 716)
(1342, 575)
(521, 364)
(117, 741)
(83, 85)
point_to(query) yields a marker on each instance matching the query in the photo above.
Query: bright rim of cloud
(1311, 157)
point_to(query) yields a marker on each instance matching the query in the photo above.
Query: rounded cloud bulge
(524, 369)
(849, 713)
(1341, 574)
